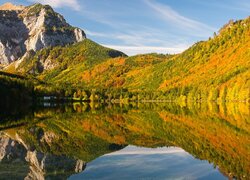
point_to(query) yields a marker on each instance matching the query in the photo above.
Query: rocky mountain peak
(33, 28)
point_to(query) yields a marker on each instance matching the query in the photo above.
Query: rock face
(32, 28)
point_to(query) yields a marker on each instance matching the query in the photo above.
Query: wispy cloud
(135, 36)
(133, 44)
(96, 34)
(139, 42)
(73, 4)
(245, 6)
(171, 16)
(138, 38)
(133, 50)
(240, 5)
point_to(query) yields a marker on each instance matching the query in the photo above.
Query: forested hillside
(14, 88)
(216, 69)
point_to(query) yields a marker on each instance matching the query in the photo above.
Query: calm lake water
(135, 141)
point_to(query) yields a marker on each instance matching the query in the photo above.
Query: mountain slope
(221, 64)
(217, 69)
(53, 62)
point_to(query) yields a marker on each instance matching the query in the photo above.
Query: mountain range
(37, 43)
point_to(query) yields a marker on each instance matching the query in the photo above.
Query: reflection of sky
(145, 163)
(141, 150)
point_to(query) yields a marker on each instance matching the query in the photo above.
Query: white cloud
(73, 4)
(171, 16)
(133, 50)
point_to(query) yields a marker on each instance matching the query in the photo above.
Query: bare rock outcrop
(32, 28)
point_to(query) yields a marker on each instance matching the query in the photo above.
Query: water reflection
(19, 161)
(147, 163)
(64, 138)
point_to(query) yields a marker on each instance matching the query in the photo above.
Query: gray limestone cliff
(32, 28)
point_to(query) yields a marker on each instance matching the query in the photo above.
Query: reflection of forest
(218, 133)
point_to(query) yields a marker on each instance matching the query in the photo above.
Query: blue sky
(143, 26)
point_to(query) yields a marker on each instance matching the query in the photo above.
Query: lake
(125, 141)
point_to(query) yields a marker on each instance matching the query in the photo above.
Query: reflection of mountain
(18, 161)
(217, 133)
(32, 153)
